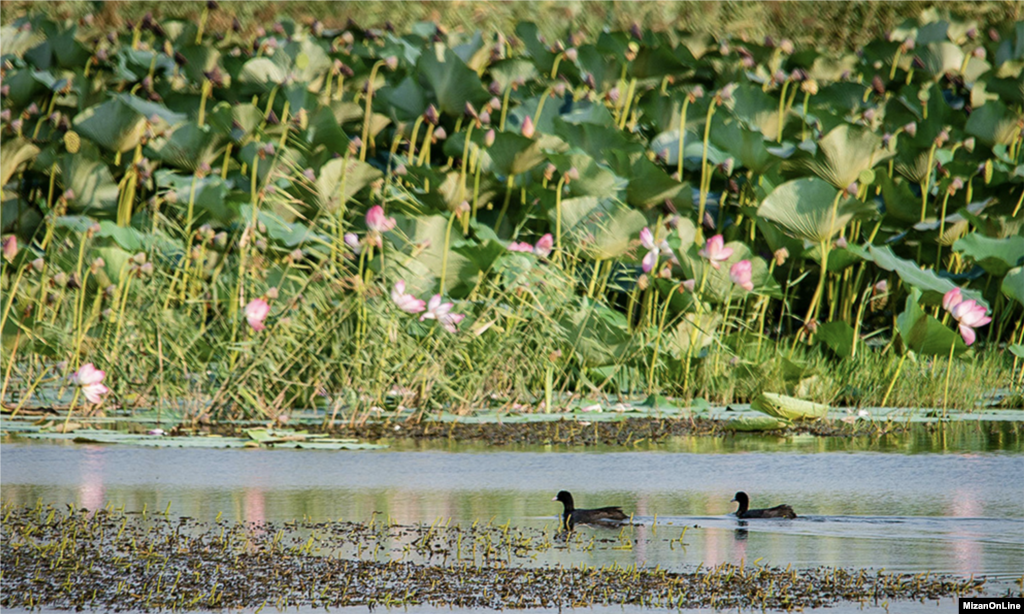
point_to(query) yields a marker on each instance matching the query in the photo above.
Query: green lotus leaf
(996, 256)
(940, 58)
(111, 125)
(1013, 284)
(152, 111)
(602, 227)
(844, 153)
(454, 84)
(340, 179)
(807, 209)
(932, 286)
(788, 408)
(324, 129)
(16, 152)
(262, 73)
(900, 202)
(924, 334)
(746, 146)
(404, 102)
(542, 57)
(187, 147)
(993, 124)
(16, 41)
(694, 332)
(756, 109)
(513, 154)
(308, 60)
(208, 195)
(201, 59)
(598, 141)
(754, 423)
(89, 178)
(598, 335)
(650, 186)
(838, 336)
(827, 68)
(595, 179)
(289, 234)
(421, 257)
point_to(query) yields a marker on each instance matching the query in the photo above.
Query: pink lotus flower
(436, 310)
(543, 247)
(653, 250)
(406, 302)
(90, 379)
(715, 250)
(740, 272)
(689, 285)
(10, 248)
(970, 315)
(255, 312)
(376, 221)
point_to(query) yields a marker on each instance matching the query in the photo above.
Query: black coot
(779, 511)
(572, 516)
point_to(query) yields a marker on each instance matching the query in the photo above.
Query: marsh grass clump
(68, 558)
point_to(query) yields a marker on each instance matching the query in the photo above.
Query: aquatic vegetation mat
(67, 558)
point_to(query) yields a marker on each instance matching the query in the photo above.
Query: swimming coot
(572, 516)
(779, 511)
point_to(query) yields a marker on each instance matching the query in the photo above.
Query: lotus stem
(558, 214)
(705, 175)
(465, 163)
(782, 110)
(369, 113)
(412, 140)
(71, 409)
(942, 230)
(207, 89)
(425, 150)
(626, 101)
(504, 107)
(504, 207)
(202, 24)
(444, 256)
(540, 105)
(682, 137)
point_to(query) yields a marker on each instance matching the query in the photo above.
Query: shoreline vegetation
(247, 219)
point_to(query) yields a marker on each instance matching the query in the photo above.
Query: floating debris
(68, 558)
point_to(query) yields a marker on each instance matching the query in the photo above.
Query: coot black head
(744, 501)
(566, 499)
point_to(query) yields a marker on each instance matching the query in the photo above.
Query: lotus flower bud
(665, 273)
(60, 279)
(589, 81)
(549, 171)
(869, 115)
(494, 103)
(643, 282)
(295, 255)
(5, 115)
(470, 111)
(780, 76)
(96, 265)
(16, 125)
(495, 89)
(309, 174)
(400, 170)
(559, 89)
(572, 174)
(271, 294)
(851, 190)
(635, 31)
(261, 245)
(613, 95)
(942, 138)
(146, 269)
(391, 62)
(33, 109)
(689, 285)
(811, 326)
(10, 248)
(220, 240)
(528, 128)
(485, 118)
(440, 133)
(571, 54)
(780, 256)
(430, 115)
(955, 185)
(842, 243)
(911, 129)
(74, 281)
(464, 207)
(786, 46)
(809, 86)
(37, 264)
(489, 138)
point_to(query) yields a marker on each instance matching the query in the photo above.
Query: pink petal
(544, 246)
(647, 238)
(967, 333)
(951, 299)
(650, 260)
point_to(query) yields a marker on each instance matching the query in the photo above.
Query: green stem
(367, 115)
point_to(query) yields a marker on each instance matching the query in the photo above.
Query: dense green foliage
(220, 217)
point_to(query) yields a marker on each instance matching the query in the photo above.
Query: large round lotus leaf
(845, 152)
(111, 125)
(804, 208)
(602, 227)
(341, 179)
(996, 256)
(16, 152)
(1013, 284)
(993, 124)
(454, 84)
